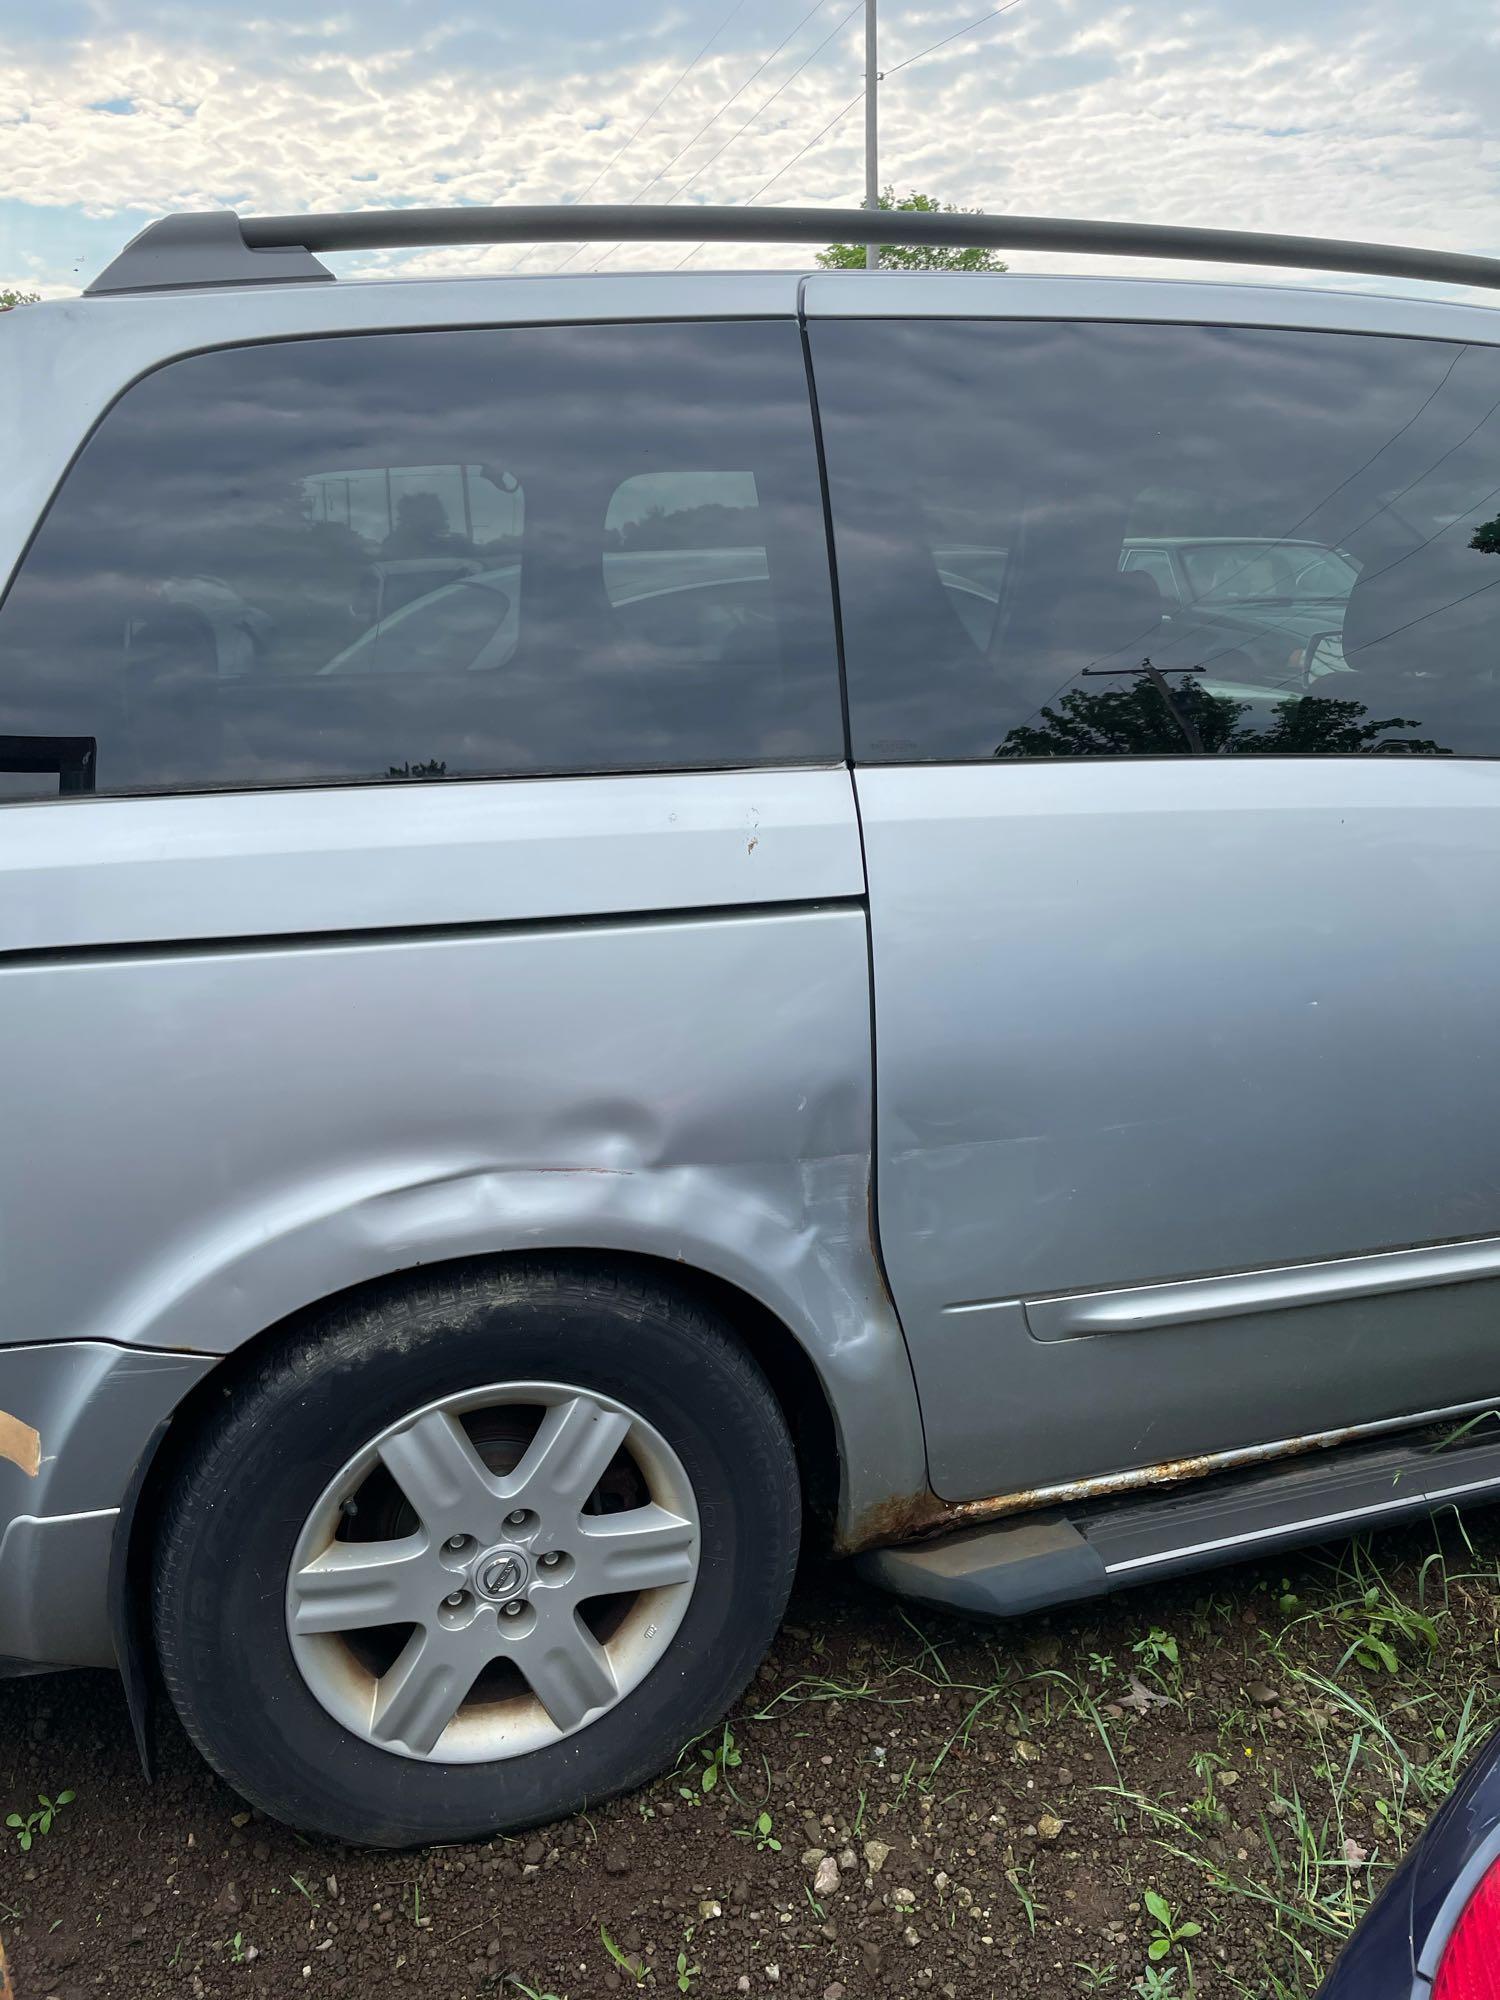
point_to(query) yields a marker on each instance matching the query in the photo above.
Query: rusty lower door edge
(921, 1516)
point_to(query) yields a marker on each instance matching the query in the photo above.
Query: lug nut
(454, 1597)
(516, 1519)
(552, 1558)
(454, 1542)
(514, 1608)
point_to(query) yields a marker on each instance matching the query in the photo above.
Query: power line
(957, 33)
(1347, 534)
(783, 169)
(1488, 500)
(755, 114)
(1333, 492)
(1411, 484)
(768, 102)
(681, 79)
(662, 172)
(1422, 616)
(805, 149)
(839, 115)
(662, 100)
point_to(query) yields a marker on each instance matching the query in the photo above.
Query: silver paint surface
(593, 1024)
(1166, 1020)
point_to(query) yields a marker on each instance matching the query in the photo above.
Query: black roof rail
(221, 248)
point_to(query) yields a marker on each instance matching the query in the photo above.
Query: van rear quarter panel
(280, 1045)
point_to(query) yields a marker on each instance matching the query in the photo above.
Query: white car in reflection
(472, 623)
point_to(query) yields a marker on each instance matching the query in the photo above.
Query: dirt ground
(1219, 1773)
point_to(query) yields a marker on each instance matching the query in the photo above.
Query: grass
(1271, 1809)
(1383, 1678)
(1189, 1790)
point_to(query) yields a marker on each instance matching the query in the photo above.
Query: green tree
(1135, 721)
(915, 256)
(10, 297)
(1125, 721)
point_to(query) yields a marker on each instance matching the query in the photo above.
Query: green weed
(627, 1961)
(33, 1825)
(760, 1831)
(1169, 1934)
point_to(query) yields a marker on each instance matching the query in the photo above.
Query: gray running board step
(1032, 1560)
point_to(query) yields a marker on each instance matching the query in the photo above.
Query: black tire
(248, 1479)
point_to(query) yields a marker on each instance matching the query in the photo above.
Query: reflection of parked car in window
(473, 625)
(456, 628)
(1255, 613)
(385, 586)
(200, 625)
(1258, 615)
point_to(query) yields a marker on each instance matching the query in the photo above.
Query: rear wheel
(465, 1559)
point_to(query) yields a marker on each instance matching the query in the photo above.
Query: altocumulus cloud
(1371, 120)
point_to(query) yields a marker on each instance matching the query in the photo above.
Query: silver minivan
(627, 917)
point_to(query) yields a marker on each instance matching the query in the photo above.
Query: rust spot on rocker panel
(903, 1517)
(22, 1446)
(909, 1517)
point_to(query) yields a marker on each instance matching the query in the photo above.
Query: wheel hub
(499, 1573)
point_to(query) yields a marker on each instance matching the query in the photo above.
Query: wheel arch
(801, 1391)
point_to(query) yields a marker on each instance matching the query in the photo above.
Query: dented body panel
(624, 1014)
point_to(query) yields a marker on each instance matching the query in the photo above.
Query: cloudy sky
(1364, 118)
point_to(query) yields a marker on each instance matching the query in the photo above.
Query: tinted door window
(431, 555)
(1333, 500)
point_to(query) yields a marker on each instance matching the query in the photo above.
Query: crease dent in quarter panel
(616, 1191)
(698, 1094)
(791, 1235)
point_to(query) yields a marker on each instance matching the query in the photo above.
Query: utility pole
(872, 131)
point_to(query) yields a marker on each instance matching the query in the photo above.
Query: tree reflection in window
(1134, 721)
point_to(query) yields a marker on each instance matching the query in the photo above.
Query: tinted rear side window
(431, 555)
(1069, 540)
